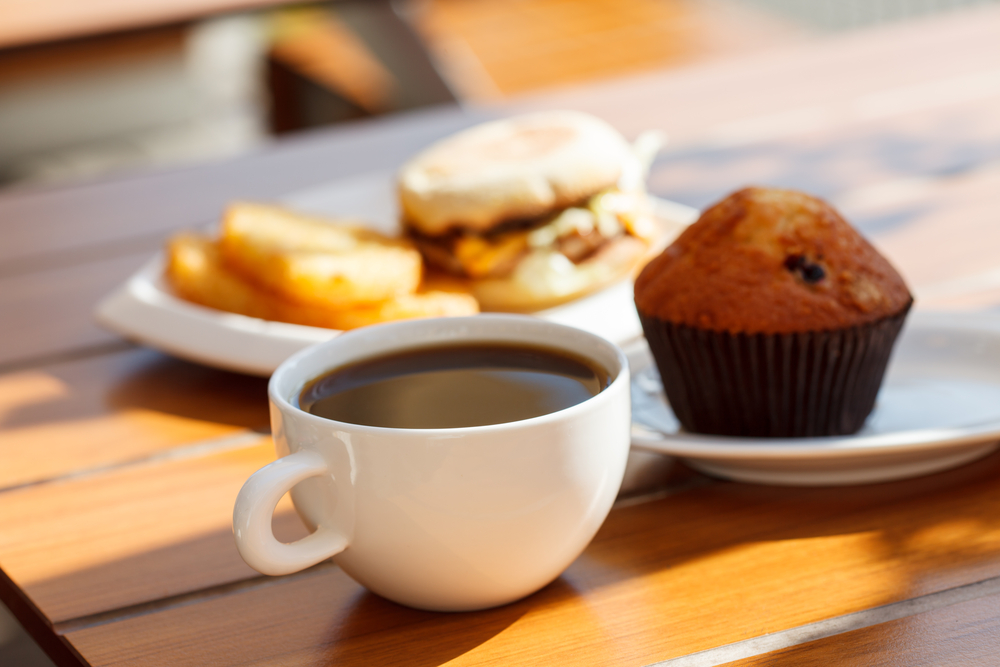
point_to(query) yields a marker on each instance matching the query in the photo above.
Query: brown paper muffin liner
(772, 385)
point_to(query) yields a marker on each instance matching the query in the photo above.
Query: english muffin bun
(771, 317)
(532, 210)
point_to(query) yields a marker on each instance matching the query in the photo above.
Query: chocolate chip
(793, 262)
(810, 272)
(813, 273)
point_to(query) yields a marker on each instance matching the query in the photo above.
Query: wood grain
(492, 50)
(872, 168)
(695, 570)
(952, 222)
(790, 90)
(76, 416)
(129, 536)
(51, 312)
(966, 634)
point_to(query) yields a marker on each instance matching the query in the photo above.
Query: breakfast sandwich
(533, 210)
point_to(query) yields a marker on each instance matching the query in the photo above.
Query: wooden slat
(39, 222)
(51, 312)
(40, 21)
(966, 634)
(21, 65)
(494, 49)
(133, 535)
(71, 417)
(949, 248)
(872, 168)
(705, 567)
(811, 85)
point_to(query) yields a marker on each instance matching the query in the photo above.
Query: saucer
(939, 407)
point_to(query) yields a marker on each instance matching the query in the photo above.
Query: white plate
(144, 310)
(939, 407)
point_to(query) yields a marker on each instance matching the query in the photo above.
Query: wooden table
(49, 20)
(119, 465)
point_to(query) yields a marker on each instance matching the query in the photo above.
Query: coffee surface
(454, 386)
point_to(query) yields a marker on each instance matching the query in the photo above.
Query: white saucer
(939, 407)
(144, 309)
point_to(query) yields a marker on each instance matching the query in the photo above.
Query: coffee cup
(443, 519)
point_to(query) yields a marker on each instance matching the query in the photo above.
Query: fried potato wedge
(314, 262)
(197, 273)
(194, 269)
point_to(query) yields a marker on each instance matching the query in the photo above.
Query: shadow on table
(317, 617)
(134, 380)
(375, 630)
(155, 578)
(169, 385)
(799, 554)
(920, 535)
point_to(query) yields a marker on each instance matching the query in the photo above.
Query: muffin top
(770, 261)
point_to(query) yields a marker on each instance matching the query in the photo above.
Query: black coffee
(454, 386)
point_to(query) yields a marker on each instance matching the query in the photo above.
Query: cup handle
(255, 506)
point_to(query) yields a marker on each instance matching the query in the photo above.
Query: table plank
(707, 566)
(144, 532)
(966, 634)
(790, 90)
(948, 249)
(555, 40)
(51, 312)
(71, 417)
(47, 20)
(867, 166)
(39, 222)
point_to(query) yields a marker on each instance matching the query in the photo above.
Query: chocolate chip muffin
(771, 317)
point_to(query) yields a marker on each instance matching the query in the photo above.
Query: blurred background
(110, 87)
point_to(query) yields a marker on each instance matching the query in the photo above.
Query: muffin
(771, 317)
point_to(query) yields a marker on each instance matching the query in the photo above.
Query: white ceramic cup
(442, 519)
